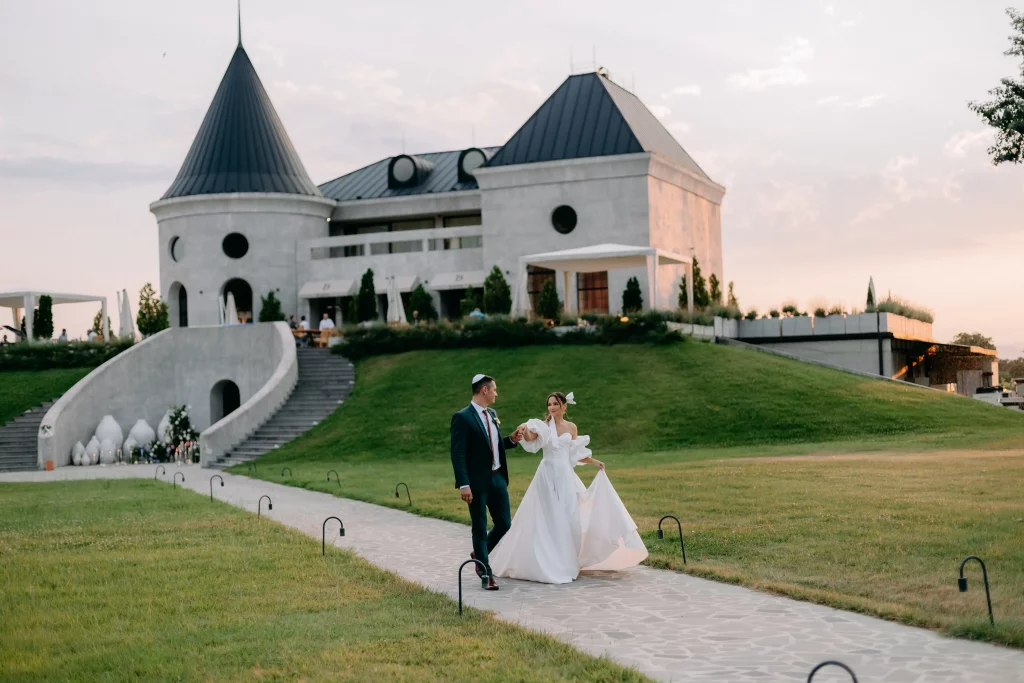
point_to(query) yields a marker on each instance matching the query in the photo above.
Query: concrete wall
(860, 355)
(272, 223)
(178, 366)
(864, 323)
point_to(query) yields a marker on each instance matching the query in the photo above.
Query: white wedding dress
(563, 527)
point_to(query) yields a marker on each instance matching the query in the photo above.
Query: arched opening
(224, 400)
(242, 293)
(177, 301)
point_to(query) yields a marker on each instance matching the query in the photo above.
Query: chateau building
(592, 167)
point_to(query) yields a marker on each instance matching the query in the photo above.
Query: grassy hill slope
(20, 391)
(639, 398)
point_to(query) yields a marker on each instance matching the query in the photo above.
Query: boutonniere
(494, 417)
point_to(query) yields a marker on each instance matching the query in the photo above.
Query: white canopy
(592, 259)
(463, 280)
(404, 283)
(27, 300)
(328, 289)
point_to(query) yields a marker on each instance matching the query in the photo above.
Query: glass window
(592, 292)
(379, 248)
(418, 224)
(461, 221)
(476, 242)
(535, 279)
(406, 246)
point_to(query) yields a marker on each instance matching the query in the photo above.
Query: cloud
(871, 213)
(678, 127)
(830, 10)
(660, 111)
(693, 90)
(788, 72)
(68, 171)
(962, 143)
(863, 103)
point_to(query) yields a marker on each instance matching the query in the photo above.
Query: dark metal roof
(371, 182)
(241, 145)
(590, 116)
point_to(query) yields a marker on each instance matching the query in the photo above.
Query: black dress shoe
(492, 585)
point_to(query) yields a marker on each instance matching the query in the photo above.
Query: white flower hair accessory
(570, 399)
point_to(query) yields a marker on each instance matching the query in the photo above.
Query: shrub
(152, 315)
(773, 313)
(716, 289)
(701, 299)
(728, 312)
(548, 304)
(97, 323)
(42, 318)
(819, 312)
(732, 300)
(270, 309)
(420, 300)
(684, 300)
(497, 295)
(632, 299)
(50, 356)
(790, 310)
(502, 332)
(352, 311)
(751, 314)
(837, 309)
(366, 300)
(901, 307)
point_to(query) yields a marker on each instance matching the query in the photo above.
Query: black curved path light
(337, 479)
(289, 471)
(661, 534)
(323, 542)
(157, 472)
(270, 505)
(484, 577)
(402, 483)
(962, 583)
(176, 475)
(216, 476)
(831, 663)
(252, 467)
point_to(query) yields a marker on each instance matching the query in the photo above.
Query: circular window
(403, 169)
(176, 249)
(564, 219)
(473, 160)
(235, 245)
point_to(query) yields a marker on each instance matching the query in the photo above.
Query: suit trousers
(493, 498)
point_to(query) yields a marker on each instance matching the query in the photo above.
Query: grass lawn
(20, 391)
(131, 580)
(883, 534)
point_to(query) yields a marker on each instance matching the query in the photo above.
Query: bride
(563, 527)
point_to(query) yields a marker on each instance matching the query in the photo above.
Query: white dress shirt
(326, 324)
(485, 418)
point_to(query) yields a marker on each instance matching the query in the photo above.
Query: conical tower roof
(241, 145)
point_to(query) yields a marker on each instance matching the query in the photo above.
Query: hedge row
(58, 355)
(501, 332)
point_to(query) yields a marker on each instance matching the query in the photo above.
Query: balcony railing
(386, 243)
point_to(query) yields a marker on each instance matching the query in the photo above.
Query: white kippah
(477, 378)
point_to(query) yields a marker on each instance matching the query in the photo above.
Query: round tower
(242, 199)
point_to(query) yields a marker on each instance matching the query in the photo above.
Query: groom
(481, 472)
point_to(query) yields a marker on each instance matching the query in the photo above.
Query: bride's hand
(600, 465)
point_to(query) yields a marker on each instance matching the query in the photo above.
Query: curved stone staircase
(325, 381)
(19, 440)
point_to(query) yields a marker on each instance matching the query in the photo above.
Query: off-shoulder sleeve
(543, 432)
(580, 449)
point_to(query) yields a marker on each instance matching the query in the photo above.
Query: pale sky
(839, 129)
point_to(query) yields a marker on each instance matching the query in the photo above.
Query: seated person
(326, 323)
(63, 335)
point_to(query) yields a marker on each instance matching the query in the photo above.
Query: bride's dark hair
(560, 397)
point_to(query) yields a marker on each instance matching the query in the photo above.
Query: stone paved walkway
(670, 626)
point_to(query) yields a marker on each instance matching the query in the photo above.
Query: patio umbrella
(396, 311)
(127, 322)
(230, 312)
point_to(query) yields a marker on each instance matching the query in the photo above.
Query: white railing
(311, 249)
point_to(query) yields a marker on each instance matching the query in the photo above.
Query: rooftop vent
(470, 160)
(408, 171)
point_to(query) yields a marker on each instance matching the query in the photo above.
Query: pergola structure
(26, 301)
(597, 258)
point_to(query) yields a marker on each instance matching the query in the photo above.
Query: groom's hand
(466, 494)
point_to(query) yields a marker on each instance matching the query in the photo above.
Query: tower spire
(239, 23)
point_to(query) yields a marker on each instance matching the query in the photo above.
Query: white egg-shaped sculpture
(77, 452)
(126, 448)
(108, 452)
(164, 426)
(109, 429)
(92, 452)
(143, 434)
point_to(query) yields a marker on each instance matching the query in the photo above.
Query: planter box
(772, 327)
(862, 323)
(751, 328)
(726, 327)
(835, 324)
